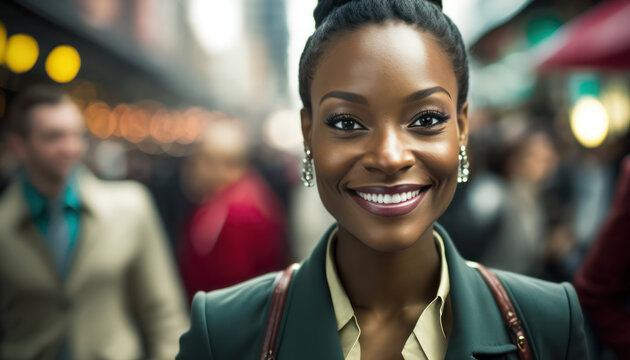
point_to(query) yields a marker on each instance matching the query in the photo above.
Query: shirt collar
(341, 303)
(344, 312)
(38, 202)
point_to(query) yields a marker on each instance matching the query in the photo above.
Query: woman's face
(385, 133)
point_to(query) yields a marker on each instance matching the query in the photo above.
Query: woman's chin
(388, 240)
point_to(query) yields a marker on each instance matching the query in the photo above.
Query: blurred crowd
(109, 227)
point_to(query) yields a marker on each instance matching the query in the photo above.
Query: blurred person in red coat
(603, 281)
(238, 230)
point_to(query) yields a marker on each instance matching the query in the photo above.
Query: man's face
(54, 143)
(220, 159)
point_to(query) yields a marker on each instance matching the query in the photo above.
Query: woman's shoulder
(223, 320)
(550, 312)
(249, 293)
(531, 291)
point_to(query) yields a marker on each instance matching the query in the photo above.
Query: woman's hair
(333, 17)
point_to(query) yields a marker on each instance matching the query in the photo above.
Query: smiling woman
(384, 86)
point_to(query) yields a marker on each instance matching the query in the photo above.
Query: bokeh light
(589, 122)
(134, 124)
(21, 53)
(63, 63)
(282, 130)
(100, 120)
(191, 129)
(119, 111)
(616, 100)
(215, 23)
(163, 127)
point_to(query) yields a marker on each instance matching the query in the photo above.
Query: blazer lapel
(478, 329)
(28, 233)
(309, 329)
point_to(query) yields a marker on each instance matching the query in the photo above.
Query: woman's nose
(389, 152)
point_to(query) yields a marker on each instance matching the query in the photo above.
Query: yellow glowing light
(3, 41)
(21, 53)
(63, 63)
(589, 122)
(617, 104)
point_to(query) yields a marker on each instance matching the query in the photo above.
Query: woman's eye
(429, 119)
(344, 123)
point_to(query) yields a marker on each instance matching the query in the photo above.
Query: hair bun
(437, 3)
(324, 8)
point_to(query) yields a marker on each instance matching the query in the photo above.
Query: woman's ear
(462, 125)
(307, 125)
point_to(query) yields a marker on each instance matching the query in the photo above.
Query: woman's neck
(386, 281)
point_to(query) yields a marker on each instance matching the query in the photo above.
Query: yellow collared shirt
(428, 340)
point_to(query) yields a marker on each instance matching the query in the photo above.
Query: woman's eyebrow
(344, 95)
(421, 94)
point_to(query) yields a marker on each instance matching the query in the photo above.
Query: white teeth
(389, 198)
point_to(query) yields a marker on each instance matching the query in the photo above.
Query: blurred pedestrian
(603, 280)
(520, 245)
(84, 268)
(238, 230)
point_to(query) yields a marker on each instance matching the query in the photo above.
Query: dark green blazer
(229, 324)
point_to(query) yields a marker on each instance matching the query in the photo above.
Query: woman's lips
(389, 201)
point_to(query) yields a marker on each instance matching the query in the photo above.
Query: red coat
(603, 281)
(237, 234)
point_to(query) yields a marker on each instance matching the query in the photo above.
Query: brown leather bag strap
(510, 318)
(278, 300)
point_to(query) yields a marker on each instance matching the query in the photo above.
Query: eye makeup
(428, 119)
(343, 121)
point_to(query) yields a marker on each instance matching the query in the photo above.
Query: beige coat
(122, 290)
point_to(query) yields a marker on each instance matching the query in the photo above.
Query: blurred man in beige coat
(84, 268)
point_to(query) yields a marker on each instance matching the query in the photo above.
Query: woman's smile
(389, 201)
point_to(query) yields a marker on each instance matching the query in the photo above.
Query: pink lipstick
(389, 201)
